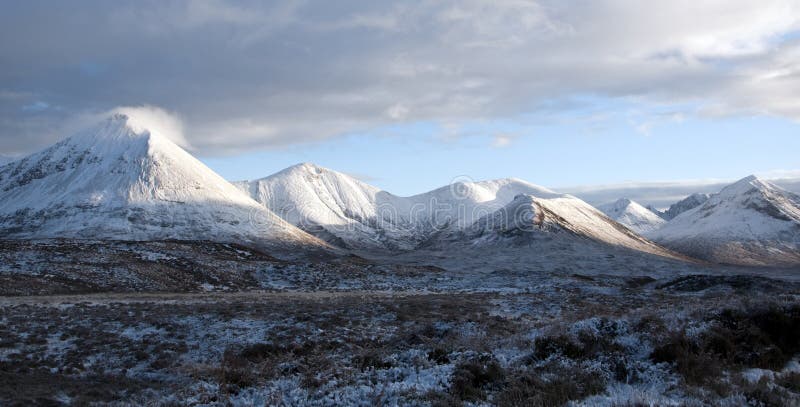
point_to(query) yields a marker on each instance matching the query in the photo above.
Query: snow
(562, 221)
(126, 179)
(690, 202)
(358, 215)
(350, 213)
(633, 215)
(750, 222)
(4, 159)
(122, 181)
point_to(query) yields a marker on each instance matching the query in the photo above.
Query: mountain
(4, 159)
(750, 222)
(352, 214)
(331, 205)
(119, 180)
(636, 217)
(562, 218)
(690, 202)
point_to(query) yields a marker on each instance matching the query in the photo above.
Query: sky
(411, 95)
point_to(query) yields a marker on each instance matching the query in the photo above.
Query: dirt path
(199, 298)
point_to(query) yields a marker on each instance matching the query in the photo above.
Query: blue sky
(413, 159)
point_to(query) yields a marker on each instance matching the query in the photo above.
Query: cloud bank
(246, 75)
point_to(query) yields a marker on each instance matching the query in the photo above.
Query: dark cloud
(249, 74)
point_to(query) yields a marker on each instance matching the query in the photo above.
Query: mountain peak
(633, 215)
(152, 122)
(117, 133)
(750, 222)
(690, 202)
(308, 167)
(622, 203)
(122, 179)
(746, 185)
(121, 124)
(748, 180)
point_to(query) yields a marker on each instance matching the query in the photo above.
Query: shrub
(370, 359)
(529, 389)
(260, 351)
(790, 381)
(697, 366)
(473, 376)
(439, 355)
(545, 346)
(766, 338)
(235, 372)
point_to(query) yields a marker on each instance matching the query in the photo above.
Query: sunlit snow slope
(528, 218)
(352, 214)
(690, 202)
(633, 215)
(119, 180)
(750, 222)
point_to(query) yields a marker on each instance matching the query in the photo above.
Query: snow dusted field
(231, 326)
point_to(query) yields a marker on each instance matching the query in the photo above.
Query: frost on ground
(199, 323)
(673, 342)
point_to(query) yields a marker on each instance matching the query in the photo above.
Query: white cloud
(397, 112)
(156, 120)
(664, 193)
(502, 140)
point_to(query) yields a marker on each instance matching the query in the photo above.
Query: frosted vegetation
(577, 340)
(132, 274)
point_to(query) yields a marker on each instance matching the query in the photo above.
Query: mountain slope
(750, 222)
(636, 217)
(352, 214)
(690, 202)
(4, 159)
(331, 205)
(528, 218)
(120, 181)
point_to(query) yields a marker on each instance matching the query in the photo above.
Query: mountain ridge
(312, 198)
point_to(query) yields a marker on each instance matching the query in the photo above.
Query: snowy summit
(633, 215)
(120, 180)
(750, 222)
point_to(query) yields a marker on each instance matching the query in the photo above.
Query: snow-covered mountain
(350, 213)
(527, 219)
(690, 202)
(331, 205)
(636, 217)
(750, 222)
(120, 180)
(4, 159)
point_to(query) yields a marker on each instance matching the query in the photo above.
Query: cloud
(249, 74)
(663, 194)
(397, 112)
(502, 140)
(156, 120)
(35, 107)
